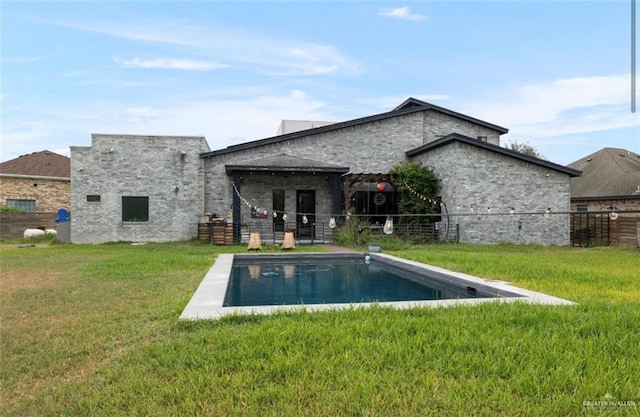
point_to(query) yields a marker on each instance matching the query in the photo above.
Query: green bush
(353, 232)
(10, 209)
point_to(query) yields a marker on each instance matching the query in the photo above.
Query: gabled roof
(40, 164)
(413, 103)
(455, 137)
(610, 172)
(286, 163)
(410, 105)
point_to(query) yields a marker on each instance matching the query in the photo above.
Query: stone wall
(373, 147)
(49, 195)
(437, 125)
(480, 189)
(259, 188)
(167, 169)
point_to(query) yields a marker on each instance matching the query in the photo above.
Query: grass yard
(93, 330)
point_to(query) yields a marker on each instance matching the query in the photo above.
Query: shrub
(10, 209)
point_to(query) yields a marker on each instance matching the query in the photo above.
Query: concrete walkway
(336, 248)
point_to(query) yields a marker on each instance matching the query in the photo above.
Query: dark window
(135, 209)
(28, 206)
(582, 208)
(93, 198)
(278, 208)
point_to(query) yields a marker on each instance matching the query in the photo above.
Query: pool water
(355, 280)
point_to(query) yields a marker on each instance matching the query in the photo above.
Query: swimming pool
(346, 278)
(265, 283)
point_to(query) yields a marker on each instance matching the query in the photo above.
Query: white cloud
(172, 32)
(140, 114)
(388, 103)
(403, 13)
(248, 116)
(240, 48)
(561, 107)
(169, 64)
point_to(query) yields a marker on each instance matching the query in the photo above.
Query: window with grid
(28, 206)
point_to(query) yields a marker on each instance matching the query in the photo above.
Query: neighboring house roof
(39, 164)
(410, 105)
(610, 172)
(455, 137)
(286, 163)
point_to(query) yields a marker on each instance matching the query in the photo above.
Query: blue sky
(557, 74)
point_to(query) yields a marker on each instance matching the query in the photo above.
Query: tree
(525, 148)
(418, 185)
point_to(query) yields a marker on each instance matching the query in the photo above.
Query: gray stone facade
(480, 182)
(168, 170)
(373, 147)
(494, 198)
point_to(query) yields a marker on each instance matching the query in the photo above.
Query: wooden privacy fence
(597, 228)
(13, 225)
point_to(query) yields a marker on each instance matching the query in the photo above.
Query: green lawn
(93, 330)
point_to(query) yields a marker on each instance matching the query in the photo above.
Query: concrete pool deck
(207, 302)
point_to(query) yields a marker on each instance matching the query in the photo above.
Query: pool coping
(207, 301)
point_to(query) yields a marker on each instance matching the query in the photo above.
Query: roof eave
(266, 169)
(495, 148)
(349, 123)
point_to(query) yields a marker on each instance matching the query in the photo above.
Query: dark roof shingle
(42, 164)
(610, 172)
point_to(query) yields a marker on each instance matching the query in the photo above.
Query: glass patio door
(305, 209)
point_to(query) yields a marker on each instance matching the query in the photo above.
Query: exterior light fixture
(284, 217)
(305, 220)
(613, 215)
(388, 226)
(332, 222)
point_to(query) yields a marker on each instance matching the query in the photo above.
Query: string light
(419, 195)
(388, 226)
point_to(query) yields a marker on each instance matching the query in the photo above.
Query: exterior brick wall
(374, 147)
(481, 187)
(603, 204)
(120, 165)
(49, 195)
(181, 190)
(260, 189)
(437, 125)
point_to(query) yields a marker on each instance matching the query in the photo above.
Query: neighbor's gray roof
(610, 172)
(411, 105)
(41, 164)
(285, 163)
(493, 148)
